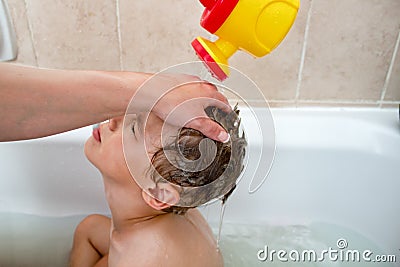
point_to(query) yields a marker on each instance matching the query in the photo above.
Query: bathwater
(318, 244)
(34, 241)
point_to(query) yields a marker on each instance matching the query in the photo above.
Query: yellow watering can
(256, 26)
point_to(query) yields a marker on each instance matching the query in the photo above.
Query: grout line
(121, 65)
(303, 52)
(389, 73)
(31, 33)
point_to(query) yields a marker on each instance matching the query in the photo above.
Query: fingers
(216, 98)
(186, 100)
(210, 86)
(221, 102)
(209, 128)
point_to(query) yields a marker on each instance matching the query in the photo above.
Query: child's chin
(88, 150)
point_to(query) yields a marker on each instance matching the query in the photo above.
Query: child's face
(105, 147)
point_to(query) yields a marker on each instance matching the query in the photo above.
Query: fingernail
(224, 137)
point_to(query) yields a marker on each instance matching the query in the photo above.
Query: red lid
(210, 63)
(207, 3)
(216, 12)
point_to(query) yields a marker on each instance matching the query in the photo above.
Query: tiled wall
(339, 52)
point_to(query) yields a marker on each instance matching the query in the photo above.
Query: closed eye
(133, 128)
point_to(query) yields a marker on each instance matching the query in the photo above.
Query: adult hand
(180, 99)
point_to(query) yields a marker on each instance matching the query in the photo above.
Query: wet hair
(201, 184)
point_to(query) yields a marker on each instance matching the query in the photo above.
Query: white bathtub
(338, 167)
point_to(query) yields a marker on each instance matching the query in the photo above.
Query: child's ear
(162, 196)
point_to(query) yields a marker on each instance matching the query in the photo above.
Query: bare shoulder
(172, 240)
(133, 248)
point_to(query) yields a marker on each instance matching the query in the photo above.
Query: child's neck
(126, 204)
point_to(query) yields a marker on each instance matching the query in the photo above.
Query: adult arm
(38, 102)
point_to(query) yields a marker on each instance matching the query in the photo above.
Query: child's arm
(91, 242)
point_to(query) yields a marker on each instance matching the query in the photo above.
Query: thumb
(209, 128)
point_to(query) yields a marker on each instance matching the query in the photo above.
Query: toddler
(154, 220)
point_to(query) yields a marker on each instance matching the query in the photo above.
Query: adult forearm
(39, 102)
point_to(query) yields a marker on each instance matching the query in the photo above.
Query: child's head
(184, 170)
(201, 168)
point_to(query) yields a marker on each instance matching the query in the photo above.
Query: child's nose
(114, 123)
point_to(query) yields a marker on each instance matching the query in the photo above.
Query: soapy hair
(218, 179)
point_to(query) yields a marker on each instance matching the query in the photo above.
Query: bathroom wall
(338, 53)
